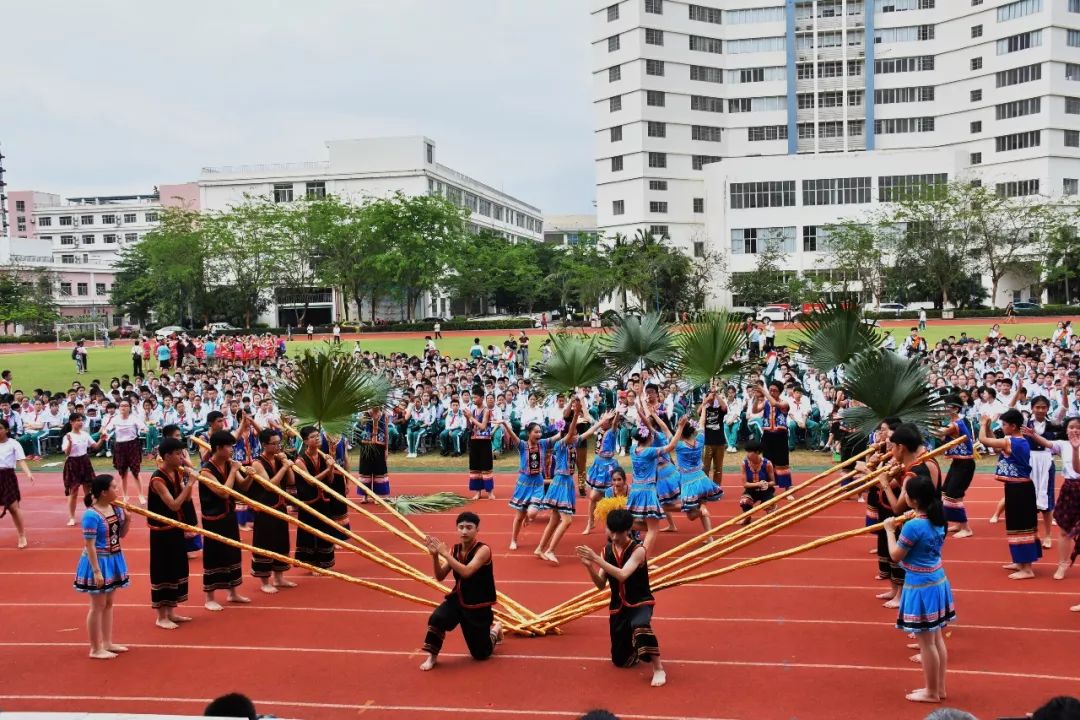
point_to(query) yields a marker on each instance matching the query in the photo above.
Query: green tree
(26, 298)
(860, 251)
(1063, 262)
(475, 267)
(765, 282)
(351, 262)
(309, 233)
(241, 253)
(584, 275)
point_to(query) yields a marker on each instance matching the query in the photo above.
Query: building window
(88, 220)
(765, 44)
(1072, 106)
(706, 44)
(618, 207)
(654, 36)
(656, 129)
(904, 125)
(918, 63)
(772, 193)
(1074, 6)
(976, 63)
(66, 220)
(485, 208)
(758, 104)
(20, 206)
(1017, 76)
(1070, 186)
(699, 205)
(697, 162)
(99, 288)
(87, 239)
(613, 43)
(283, 192)
(707, 103)
(128, 237)
(654, 98)
(1017, 188)
(1072, 71)
(109, 238)
(890, 96)
(429, 150)
(658, 184)
(659, 231)
(976, 95)
(807, 131)
(1018, 108)
(856, 128)
(892, 188)
(129, 217)
(976, 127)
(810, 238)
(699, 249)
(1017, 9)
(65, 287)
(837, 191)
(44, 221)
(1018, 141)
(910, 33)
(1072, 138)
(751, 240)
(706, 133)
(613, 12)
(705, 14)
(706, 74)
(614, 73)
(67, 239)
(658, 206)
(654, 67)
(1072, 38)
(616, 133)
(615, 103)
(108, 219)
(82, 289)
(151, 217)
(767, 132)
(656, 7)
(317, 190)
(1021, 41)
(657, 160)
(616, 163)
(976, 31)
(976, 158)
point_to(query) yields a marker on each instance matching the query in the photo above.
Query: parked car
(164, 332)
(127, 331)
(433, 319)
(777, 312)
(891, 308)
(1021, 306)
(222, 328)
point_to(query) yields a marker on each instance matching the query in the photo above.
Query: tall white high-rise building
(722, 120)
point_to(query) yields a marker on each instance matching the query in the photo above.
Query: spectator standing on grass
(337, 334)
(922, 318)
(310, 331)
(136, 358)
(438, 330)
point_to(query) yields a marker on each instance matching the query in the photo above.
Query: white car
(162, 333)
(222, 328)
(776, 313)
(891, 308)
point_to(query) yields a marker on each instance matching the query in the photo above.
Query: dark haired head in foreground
(233, 705)
(599, 714)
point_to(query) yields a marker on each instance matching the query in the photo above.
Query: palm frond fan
(436, 502)
(575, 362)
(327, 390)
(888, 385)
(645, 340)
(834, 335)
(709, 349)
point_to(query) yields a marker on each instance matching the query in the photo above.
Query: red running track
(799, 638)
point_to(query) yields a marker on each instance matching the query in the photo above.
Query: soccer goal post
(92, 333)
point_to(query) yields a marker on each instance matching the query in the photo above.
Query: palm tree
(709, 348)
(328, 389)
(575, 362)
(888, 385)
(645, 340)
(832, 336)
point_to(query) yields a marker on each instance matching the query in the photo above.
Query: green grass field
(54, 369)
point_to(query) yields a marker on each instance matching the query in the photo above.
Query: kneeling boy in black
(624, 568)
(469, 603)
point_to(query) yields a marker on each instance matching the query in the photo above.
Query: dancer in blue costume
(604, 463)
(528, 496)
(1021, 513)
(642, 501)
(696, 488)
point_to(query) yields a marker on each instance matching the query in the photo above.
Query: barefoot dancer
(102, 568)
(221, 562)
(271, 533)
(529, 489)
(774, 436)
(604, 463)
(1067, 507)
(642, 501)
(875, 512)
(1021, 514)
(695, 487)
(1043, 471)
(168, 556)
(623, 566)
(759, 479)
(469, 603)
(961, 470)
(927, 604)
(481, 481)
(127, 448)
(11, 454)
(311, 548)
(374, 448)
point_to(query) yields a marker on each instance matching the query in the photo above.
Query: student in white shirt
(11, 453)
(124, 428)
(78, 472)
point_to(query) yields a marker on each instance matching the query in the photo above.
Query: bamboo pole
(277, 556)
(697, 539)
(833, 497)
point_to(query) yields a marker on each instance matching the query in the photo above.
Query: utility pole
(3, 199)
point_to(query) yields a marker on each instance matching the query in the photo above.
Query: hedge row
(935, 313)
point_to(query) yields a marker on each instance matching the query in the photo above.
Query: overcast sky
(121, 95)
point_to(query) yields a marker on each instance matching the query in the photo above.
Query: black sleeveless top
(305, 490)
(259, 493)
(155, 504)
(478, 590)
(214, 507)
(634, 592)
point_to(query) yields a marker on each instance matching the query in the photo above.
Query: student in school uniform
(11, 454)
(78, 472)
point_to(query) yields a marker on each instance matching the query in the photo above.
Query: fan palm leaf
(888, 385)
(834, 335)
(575, 362)
(709, 348)
(437, 502)
(645, 340)
(328, 390)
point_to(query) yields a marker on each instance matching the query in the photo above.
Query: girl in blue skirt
(101, 568)
(642, 501)
(696, 488)
(604, 463)
(1014, 472)
(926, 604)
(529, 489)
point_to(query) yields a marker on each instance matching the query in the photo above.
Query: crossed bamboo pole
(717, 529)
(820, 499)
(520, 614)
